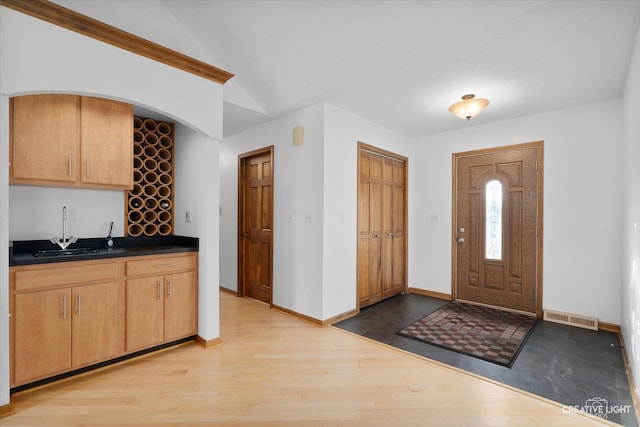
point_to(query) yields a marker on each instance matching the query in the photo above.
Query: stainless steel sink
(65, 252)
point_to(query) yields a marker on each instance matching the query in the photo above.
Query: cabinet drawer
(28, 280)
(157, 266)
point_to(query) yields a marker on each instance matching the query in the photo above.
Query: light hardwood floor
(274, 369)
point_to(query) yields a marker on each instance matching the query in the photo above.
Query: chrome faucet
(65, 242)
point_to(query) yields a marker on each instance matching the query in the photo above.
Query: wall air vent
(571, 319)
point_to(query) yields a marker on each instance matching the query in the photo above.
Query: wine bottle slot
(150, 216)
(164, 166)
(150, 165)
(165, 179)
(137, 188)
(164, 192)
(137, 176)
(138, 137)
(135, 230)
(166, 141)
(135, 203)
(137, 123)
(137, 163)
(150, 125)
(165, 204)
(164, 128)
(151, 139)
(151, 177)
(164, 154)
(135, 217)
(137, 150)
(164, 229)
(164, 216)
(150, 190)
(150, 203)
(150, 151)
(150, 229)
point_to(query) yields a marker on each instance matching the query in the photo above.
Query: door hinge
(536, 165)
(536, 231)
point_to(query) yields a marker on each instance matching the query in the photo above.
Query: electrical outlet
(307, 218)
(435, 217)
(187, 215)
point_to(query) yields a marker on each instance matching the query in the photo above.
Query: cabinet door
(45, 136)
(107, 143)
(144, 316)
(42, 334)
(180, 306)
(94, 323)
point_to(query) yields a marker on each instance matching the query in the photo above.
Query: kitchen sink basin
(65, 252)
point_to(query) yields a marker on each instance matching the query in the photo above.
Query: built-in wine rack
(149, 207)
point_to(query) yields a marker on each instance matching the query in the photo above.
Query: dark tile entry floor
(566, 364)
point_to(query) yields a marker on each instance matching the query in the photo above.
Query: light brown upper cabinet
(71, 141)
(106, 136)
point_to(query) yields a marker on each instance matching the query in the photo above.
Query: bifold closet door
(381, 228)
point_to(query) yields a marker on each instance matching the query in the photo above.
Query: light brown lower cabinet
(93, 317)
(69, 327)
(66, 316)
(160, 308)
(42, 335)
(63, 318)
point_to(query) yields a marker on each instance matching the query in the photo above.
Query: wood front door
(381, 225)
(255, 201)
(497, 227)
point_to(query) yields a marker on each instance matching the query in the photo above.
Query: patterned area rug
(489, 334)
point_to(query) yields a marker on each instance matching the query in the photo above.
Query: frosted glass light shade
(469, 107)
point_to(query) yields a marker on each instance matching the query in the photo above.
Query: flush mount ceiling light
(469, 107)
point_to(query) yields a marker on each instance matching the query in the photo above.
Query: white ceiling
(397, 63)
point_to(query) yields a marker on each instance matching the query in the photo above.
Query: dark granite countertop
(24, 252)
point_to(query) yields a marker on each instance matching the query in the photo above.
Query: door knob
(246, 234)
(460, 239)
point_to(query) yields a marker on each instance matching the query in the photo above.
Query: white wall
(36, 212)
(343, 131)
(196, 188)
(582, 204)
(39, 57)
(631, 215)
(42, 57)
(314, 263)
(298, 190)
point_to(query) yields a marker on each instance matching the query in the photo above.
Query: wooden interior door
(369, 229)
(497, 227)
(255, 225)
(394, 208)
(381, 225)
